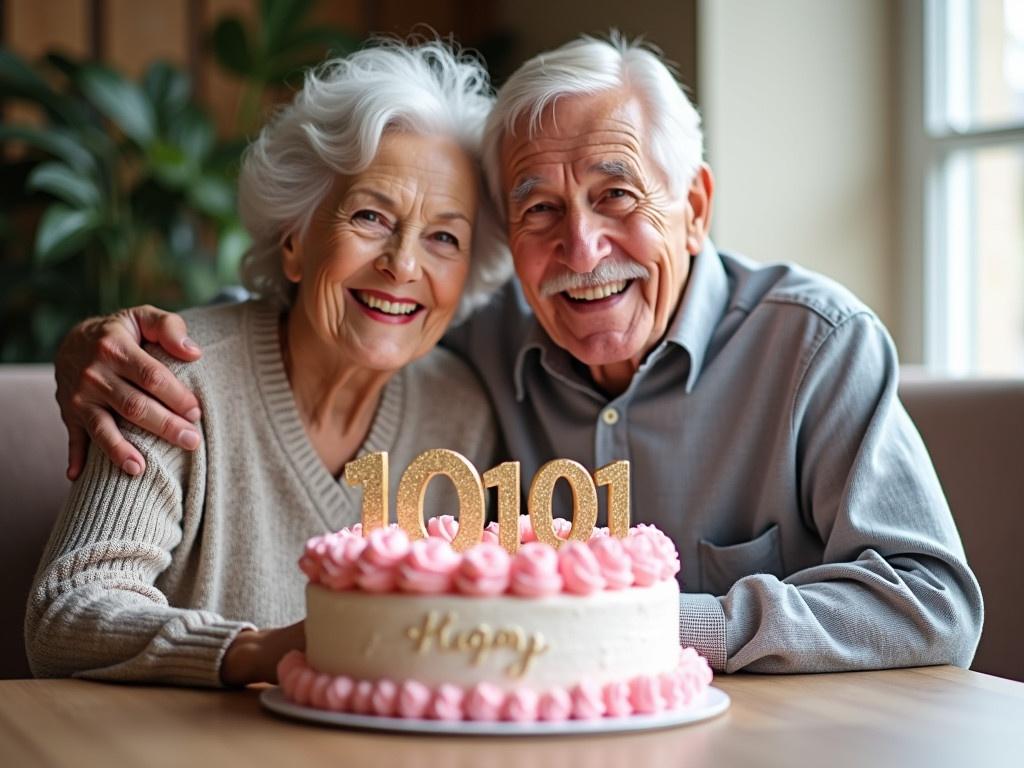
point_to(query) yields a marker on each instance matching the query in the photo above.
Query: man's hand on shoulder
(101, 369)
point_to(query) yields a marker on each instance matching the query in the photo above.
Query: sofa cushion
(33, 456)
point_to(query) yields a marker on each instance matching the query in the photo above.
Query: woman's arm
(94, 610)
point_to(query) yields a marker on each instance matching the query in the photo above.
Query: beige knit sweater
(150, 578)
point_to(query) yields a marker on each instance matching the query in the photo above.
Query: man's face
(600, 245)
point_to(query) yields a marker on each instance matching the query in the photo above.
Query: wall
(799, 99)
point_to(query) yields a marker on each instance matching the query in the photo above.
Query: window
(967, 150)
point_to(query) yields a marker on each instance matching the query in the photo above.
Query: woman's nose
(401, 259)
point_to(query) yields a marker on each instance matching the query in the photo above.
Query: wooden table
(930, 716)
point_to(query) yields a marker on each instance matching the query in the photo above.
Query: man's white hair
(588, 66)
(334, 126)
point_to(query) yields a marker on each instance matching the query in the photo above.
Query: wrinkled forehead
(575, 129)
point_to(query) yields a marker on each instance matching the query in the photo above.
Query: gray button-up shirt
(766, 438)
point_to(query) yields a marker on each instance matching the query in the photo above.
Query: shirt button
(610, 416)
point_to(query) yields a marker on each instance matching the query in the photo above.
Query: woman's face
(383, 263)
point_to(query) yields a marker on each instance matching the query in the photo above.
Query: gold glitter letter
(371, 472)
(584, 501)
(413, 486)
(505, 477)
(616, 477)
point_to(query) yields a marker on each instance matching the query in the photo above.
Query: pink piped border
(387, 561)
(678, 689)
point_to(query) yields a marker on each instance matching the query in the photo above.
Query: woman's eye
(447, 237)
(369, 216)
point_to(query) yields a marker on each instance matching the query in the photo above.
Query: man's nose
(584, 241)
(401, 258)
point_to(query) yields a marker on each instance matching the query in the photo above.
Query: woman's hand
(253, 655)
(102, 369)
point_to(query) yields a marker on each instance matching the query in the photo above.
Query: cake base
(713, 703)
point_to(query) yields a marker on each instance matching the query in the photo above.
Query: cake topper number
(371, 472)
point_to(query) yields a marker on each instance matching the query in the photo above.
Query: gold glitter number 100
(371, 472)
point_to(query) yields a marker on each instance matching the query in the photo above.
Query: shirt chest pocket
(723, 566)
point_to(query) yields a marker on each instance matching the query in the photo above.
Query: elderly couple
(757, 404)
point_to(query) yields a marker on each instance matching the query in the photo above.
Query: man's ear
(699, 199)
(291, 258)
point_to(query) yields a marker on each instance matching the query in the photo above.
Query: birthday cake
(416, 629)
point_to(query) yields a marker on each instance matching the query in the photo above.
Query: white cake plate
(715, 702)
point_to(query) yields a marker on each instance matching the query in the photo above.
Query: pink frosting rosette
(339, 692)
(562, 527)
(300, 686)
(644, 557)
(428, 567)
(413, 699)
(555, 705)
(338, 568)
(361, 702)
(484, 570)
(447, 703)
(521, 706)
(526, 533)
(613, 560)
(378, 563)
(290, 662)
(318, 691)
(616, 699)
(484, 702)
(384, 698)
(664, 546)
(587, 701)
(312, 556)
(581, 573)
(534, 571)
(443, 527)
(645, 694)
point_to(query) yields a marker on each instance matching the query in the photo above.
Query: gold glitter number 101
(371, 472)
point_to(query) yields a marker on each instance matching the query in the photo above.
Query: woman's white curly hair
(334, 126)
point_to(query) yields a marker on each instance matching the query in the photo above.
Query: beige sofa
(973, 429)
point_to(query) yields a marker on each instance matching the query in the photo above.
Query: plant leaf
(232, 245)
(168, 90)
(63, 231)
(213, 196)
(59, 142)
(19, 79)
(231, 46)
(66, 183)
(121, 101)
(280, 18)
(193, 132)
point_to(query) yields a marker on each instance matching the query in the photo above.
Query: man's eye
(616, 193)
(540, 208)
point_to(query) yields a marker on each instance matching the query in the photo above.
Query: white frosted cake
(418, 630)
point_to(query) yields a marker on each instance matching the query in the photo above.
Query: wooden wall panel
(138, 32)
(32, 27)
(220, 91)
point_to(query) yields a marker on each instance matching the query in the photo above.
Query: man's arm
(101, 370)
(894, 588)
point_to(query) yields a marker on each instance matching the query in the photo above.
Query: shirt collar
(705, 299)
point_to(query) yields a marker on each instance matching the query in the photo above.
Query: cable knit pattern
(151, 578)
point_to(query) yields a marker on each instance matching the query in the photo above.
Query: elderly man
(757, 405)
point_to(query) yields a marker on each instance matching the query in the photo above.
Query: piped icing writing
(436, 631)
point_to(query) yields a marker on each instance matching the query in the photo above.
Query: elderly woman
(362, 198)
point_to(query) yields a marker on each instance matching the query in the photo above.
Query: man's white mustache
(603, 273)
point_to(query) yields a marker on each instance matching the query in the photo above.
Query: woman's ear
(291, 258)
